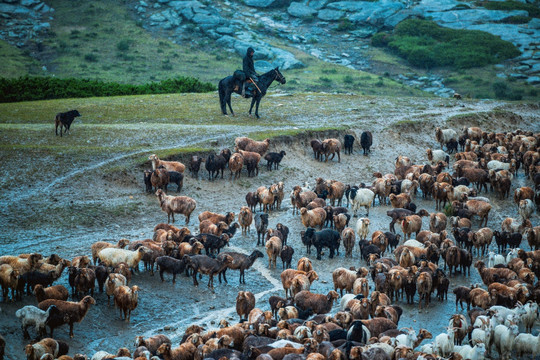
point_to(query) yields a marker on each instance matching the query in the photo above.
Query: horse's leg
(257, 108)
(229, 103)
(251, 107)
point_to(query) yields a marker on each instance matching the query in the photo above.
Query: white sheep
(361, 197)
(503, 338)
(112, 256)
(472, 353)
(362, 228)
(512, 255)
(409, 187)
(345, 300)
(427, 348)
(504, 312)
(499, 165)
(529, 317)
(443, 344)
(434, 156)
(443, 136)
(414, 243)
(461, 192)
(33, 316)
(526, 344)
(526, 208)
(495, 259)
(481, 336)
(407, 339)
(302, 332)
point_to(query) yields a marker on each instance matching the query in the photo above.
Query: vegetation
(427, 45)
(533, 9)
(41, 88)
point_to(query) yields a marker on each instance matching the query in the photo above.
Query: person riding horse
(249, 70)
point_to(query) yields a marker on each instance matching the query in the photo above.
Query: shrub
(347, 79)
(533, 9)
(123, 45)
(380, 39)
(41, 88)
(500, 88)
(91, 57)
(345, 25)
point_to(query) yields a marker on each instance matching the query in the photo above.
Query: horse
(229, 85)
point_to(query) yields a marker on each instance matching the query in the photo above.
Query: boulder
(225, 30)
(267, 3)
(533, 80)
(318, 4)
(300, 10)
(157, 17)
(29, 3)
(534, 24)
(330, 15)
(437, 5)
(376, 15)
(262, 66)
(535, 68)
(365, 31)
(392, 21)
(207, 20)
(470, 17)
(351, 6)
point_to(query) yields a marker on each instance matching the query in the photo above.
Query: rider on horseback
(249, 70)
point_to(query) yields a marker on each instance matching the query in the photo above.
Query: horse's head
(279, 76)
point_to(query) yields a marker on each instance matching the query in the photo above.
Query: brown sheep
(316, 203)
(245, 302)
(320, 304)
(247, 144)
(481, 239)
(382, 188)
(215, 218)
(113, 281)
(169, 165)
(378, 325)
(302, 198)
(379, 239)
(441, 193)
(22, 265)
(72, 312)
(349, 239)
(236, 163)
(41, 349)
(80, 262)
(176, 204)
(303, 282)
(331, 146)
(267, 196)
(437, 222)
(304, 264)
(481, 298)
(251, 161)
(406, 258)
(313, 218)
(152, 343)
(194, 249)
(399, 201)
(361, 286)
(479, 208)
(479, 177)
(273, 248)
(126, 300)
(424, 287)
(523, 193)
(245, 218)
(410, 224)
(100, 245)
(160, 179)
(340, 222)
(9, 279)
(489, 275)
(453, 258)
(58, 292)
(287, 277)
(208, 227)
(336, 191)
(344, 279)
(183, 352)
(533, 237)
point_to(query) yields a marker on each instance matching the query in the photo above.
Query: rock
(28, 3)
(534, 23)
(351, 6)
(285, 60)
(376, 13)
(318, 4)
(7, 8)
(533, 80)
(267, 3)
(393, 20)
(470, 17)
(46, 8)
(163, 1)
(172, 18)
(10, 1)
(300, 10)
(521, 68)
(330, 15)
(143, 3)
(501, 76)
(41, 27)
(518, 76)
(262, 66)
(207, 20)
(364, 32)
(157, 17)
(225, 30)
(535, 68)
(437, 5)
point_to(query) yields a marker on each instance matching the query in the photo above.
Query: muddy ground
(169, 309)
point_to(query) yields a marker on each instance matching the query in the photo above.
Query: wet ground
(169, 309)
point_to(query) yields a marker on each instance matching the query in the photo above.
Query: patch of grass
(345, 24)
(532, 9)
(425, 44)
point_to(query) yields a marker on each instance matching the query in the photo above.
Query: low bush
(425, 44)
(533, 9)
(41, 88)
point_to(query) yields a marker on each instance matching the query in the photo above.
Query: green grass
(533, 9)
(16, 62)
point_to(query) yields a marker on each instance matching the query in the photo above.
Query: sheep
(503, 338)
(22, 265)
(530, 316)
(410, 224)
(424, 286)
(152, 343)
(443, 344)
(488, 274)
(194, 249)
(72, 312)
(533, 237)
(361, 286)
(302, 197)
(480, 208)
(32, 278)
(214, 164)
(261, 224)
(176, 204)
(320, 304)
(302, 282)
(526, 208)
(479, 177)
(100, 245)
(169, 165)
(317, 148)
(495, 259)
(473, 353)
(44, 348)
(245, 302)
(526, 344)
(434, 156)
(499, 165)
(251, 161)
(208, 227)
(481, 239)
(361, 197)
(348, 142)
(170, 265)
(113, 257)
(113, 281)
(9, 279)
(185, 351)
(236, 163)
(349, 240)
(273, 248)
(273, 158)
(345, 279)
(445, 135)
(126, 299)
(208, 266)
(160, 178)
(362, 228)
(32, 316)
(324, 238)
(331, 146)
(64, 120)
(313, 218)
(195, 165)
(366, 140)
(286, 255)
(247, 144)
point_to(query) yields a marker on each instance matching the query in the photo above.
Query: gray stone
(518, 76)
(267, 3)
(29, 2)
(157, 17)
(465, 18)
(364, 32)
(533, 80)
(187, 13)
(163, 1)
(521, 68)
(535, 68)
(376, 13)
(180, 5)
(225, 30)
(7, 8)
(262, 66)
(330, 15)
(208, 20)
(351, 6)
(41, 27)
(300, 10)
(393, 20)
(501, 76)
(10, 1)
(143, 3)
(534, 23)
(437, 5)
(318, 4)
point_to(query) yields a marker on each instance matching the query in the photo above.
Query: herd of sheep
(501, 313)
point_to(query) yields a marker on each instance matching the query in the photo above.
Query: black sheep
(101, 275)
(32, 278)
(273, 158)
(177, 178)
(502, 241)
(147, 181)
(442, 289)
(465, 261)
(348, 142)
(231, 230)
(452, 146)
(252, 199)
(367, 249)
(261, 224)
(514, 240)
(304, 314)
(337, 334)
(366, 140)
(214, 164)
(397, 214)
(252, 166)
(212, 242)
(170, 265)
(358, 332)
(393, 239)
(325, 238)
(348, 190)
(409, 285)
(286, 255)
(284, 230)
(460, 181)
(306, 241)
(195, 165)
(64, 120)
(226, 153)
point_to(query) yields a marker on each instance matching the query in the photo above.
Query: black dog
(64, 120)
